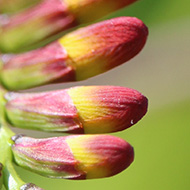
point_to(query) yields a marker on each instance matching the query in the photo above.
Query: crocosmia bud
(73, 157)
(78, 55)
(88, 109)
(33, 25)
(90, 10)
(50, 17)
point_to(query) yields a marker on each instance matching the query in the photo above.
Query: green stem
(1, 176)
(2, 103)
(10, 177)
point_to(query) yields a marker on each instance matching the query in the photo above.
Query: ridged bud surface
(74, 157)
(89, 109)
(78, 55)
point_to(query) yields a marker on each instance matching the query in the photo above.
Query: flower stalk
(1, 176)
(8, 175)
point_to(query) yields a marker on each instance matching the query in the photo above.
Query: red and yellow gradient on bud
(88, 109)
(105, 109)
(78, 55)
(100, 47)
(73, 157)
(49, 17)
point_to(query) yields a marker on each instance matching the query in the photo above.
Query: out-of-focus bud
(30, 186)
(88, 10)
(89, 109)
(33, 25)
(11, 6)
(73, 157)
(49, 18)
(1, 176)
(78, 55)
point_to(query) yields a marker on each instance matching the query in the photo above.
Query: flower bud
(73, 157)
(51, 17)
(78, 55)
(88, 109)
(33, 25)
(88, 10)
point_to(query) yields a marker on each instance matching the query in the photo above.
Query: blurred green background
(162, 73)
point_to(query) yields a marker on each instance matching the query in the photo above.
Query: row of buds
(78, 55)
(85, 109)
(73, 157)
(50, 17)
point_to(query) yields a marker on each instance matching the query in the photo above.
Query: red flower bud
(78, 55)
(90, 109)
(50, 17)
(73, 157)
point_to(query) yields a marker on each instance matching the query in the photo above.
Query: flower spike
(89, 109)
(74, 157)
(78, 55)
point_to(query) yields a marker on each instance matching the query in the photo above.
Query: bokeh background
(162, 73)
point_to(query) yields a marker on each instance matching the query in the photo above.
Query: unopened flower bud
(78, 55)
(88, 109)
(88, 10)
(33, 25)
(50, 17)
(74, 157)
